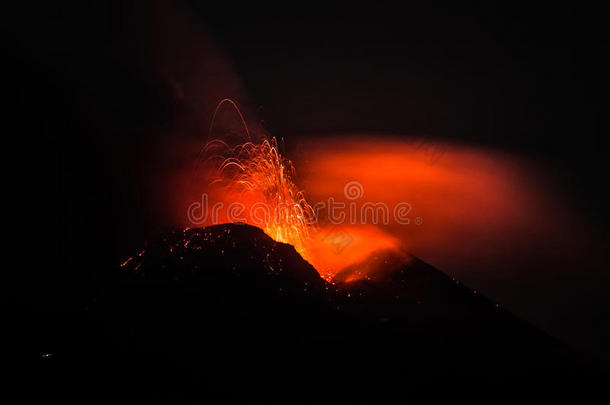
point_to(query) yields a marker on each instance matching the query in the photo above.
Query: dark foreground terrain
(226, 312)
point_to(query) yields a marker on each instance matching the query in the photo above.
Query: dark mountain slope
(227, 311)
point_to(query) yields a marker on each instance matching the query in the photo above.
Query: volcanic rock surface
(226, 310)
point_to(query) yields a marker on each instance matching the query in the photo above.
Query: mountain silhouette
(226, 311)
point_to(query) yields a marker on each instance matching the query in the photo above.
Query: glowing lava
(260, 178)
(256, 180)
(254, 184)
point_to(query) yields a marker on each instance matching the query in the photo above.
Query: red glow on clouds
(338, 247)
(472, 210)
(477, 212)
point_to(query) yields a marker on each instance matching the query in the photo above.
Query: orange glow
(257, 180)
(480, 211)
(471, 209)
(257, 176)
(337, 247)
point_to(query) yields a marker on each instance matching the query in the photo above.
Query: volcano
(227, 311)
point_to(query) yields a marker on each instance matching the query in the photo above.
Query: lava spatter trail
(257, 175)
